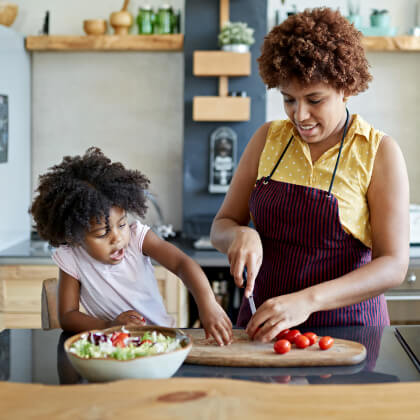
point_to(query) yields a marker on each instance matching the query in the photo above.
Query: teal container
(380, 20)
(146, 20)
(164, 20)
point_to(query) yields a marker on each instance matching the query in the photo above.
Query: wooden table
(202, 398)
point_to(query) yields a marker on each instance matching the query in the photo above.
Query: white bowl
(156, 366)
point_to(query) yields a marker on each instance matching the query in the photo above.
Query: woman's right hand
(129, 318)
(245, 251)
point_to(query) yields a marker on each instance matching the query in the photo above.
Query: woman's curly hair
(81, 189)
(317, 45)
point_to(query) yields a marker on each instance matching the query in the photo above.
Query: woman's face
(108, 245)
(316, 110)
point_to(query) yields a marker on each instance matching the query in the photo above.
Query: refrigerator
(15, 138)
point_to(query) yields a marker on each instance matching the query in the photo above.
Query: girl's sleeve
(63, 256)
(138, 233)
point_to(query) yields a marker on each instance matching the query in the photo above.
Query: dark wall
(201, 30)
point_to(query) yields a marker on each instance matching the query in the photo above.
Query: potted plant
(380, 18)
(354, 13)
(236, 37)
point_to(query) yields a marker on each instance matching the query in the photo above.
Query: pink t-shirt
(107, 290)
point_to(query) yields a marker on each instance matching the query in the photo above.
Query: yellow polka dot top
(353, 173)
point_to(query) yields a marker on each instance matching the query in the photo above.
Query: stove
(409, 337)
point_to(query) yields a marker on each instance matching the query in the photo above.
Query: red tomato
(282, 334)
(118, 340)
(282, 346)
(146, 341)
(291, 335)
(302, 342)
(312, 337)
(326, 342)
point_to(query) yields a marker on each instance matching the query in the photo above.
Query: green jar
(146, 20)
(164, 20)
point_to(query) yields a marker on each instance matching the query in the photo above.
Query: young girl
(104, 262)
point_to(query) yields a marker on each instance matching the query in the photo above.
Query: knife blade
(251, 297)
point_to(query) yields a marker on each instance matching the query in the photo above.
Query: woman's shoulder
(278, 128)
(363, 130)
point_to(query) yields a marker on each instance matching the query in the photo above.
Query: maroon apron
(305, 244)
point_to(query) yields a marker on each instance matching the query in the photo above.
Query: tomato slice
(282, 346)
(302, 342)
(312, 337)
(326, 342)
(146, 341)
(118, 338)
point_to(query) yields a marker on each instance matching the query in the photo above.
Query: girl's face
(317, 110)
(108, 245)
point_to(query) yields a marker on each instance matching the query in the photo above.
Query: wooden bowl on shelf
(8, 13)
(95, 26)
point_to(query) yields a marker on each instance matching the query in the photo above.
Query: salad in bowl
(127, 353)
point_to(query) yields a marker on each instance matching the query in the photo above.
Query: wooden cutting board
(244, 352)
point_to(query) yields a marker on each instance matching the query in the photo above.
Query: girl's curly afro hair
(82, 188)
(317, 45)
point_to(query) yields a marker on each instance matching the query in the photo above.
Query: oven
(404, 301)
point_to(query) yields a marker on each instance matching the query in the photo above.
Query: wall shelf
(174, 42)
(391, 43)
(221, 108)
(221, 63)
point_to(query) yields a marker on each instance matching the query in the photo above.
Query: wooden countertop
(193, 398)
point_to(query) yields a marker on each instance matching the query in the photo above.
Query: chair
(49, 315)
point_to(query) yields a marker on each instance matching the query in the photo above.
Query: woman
(327, 193)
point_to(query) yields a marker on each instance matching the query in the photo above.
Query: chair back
(49, 313)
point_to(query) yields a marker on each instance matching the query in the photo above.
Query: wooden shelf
(221, 63)
(219, 108)
(173, 42)
(391, 43)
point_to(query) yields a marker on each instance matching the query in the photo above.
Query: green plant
(379, 12)
(236, 33)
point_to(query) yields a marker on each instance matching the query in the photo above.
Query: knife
(251, 297)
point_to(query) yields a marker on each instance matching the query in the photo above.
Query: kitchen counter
(37, 356)
(39, 252)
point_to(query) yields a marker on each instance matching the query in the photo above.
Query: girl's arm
(214, 319)
(230, 233)
(70, 317)
(388, 199)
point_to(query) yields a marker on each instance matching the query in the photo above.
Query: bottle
(176, 22)
(164, 20)
(145, 20)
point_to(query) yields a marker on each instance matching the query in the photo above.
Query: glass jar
(145, 20)
(164, 19)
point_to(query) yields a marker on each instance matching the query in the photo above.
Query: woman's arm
(70, 317)
(388, 199)
(214, 319)
(230, 233)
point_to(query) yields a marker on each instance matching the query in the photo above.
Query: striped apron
(304, 244)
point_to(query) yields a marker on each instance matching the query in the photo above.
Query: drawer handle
(402, 297)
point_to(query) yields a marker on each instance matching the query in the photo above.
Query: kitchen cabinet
(21, 285)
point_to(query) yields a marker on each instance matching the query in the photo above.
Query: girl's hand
(245, 251)
(215, 322)
(277, 314)
(129, 318)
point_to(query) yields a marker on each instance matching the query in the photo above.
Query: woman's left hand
(277, 314)
(216, 323)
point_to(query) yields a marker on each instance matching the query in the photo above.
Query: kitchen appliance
(15, 168)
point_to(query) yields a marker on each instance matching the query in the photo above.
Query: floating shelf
(173, 42)
(391, 43)
(221, 63)
(219, 108)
